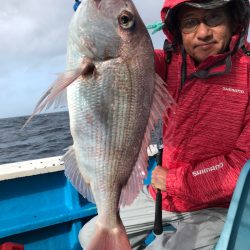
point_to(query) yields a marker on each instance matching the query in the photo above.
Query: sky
(33, 48)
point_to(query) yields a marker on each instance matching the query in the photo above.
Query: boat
(41, 210)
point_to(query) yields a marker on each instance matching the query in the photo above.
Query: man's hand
(159, 177)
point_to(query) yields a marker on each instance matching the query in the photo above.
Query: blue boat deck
(41, 210)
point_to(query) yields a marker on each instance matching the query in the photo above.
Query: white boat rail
(31, 167)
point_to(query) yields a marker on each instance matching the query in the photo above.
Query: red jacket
(207, 137)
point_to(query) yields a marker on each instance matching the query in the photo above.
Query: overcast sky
(33, 37)
(33, 48)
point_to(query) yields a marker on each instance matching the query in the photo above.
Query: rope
(155, 27)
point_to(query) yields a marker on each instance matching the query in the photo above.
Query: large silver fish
(114, 100)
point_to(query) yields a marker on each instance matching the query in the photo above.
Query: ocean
(46, 135)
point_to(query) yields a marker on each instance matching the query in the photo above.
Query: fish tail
(109, 239)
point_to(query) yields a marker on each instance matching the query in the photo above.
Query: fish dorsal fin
(74, 175)
(162, 100)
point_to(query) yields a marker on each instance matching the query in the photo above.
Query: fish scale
(114, 140)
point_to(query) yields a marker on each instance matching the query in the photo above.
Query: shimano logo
(239, 91)
(207, 170)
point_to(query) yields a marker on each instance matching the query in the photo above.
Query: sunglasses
(190, 25)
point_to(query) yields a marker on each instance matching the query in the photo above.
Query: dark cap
(208, 4)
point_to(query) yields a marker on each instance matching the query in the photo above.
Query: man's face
(204, 32)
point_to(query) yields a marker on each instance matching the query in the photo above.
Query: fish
(114, 99)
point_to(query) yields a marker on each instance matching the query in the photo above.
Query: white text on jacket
(207, 170)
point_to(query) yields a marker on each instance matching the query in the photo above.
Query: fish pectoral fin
(74, 175)
(56, 94)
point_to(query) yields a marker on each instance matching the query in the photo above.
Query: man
(207, 136)
(206, 141)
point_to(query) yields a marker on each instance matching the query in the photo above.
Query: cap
(208, 4)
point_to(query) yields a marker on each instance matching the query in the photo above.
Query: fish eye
(126, 20)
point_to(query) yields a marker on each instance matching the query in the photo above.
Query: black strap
(168, 49)
(183, 67)
(245, 51)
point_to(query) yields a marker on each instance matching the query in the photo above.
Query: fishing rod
(158, 227)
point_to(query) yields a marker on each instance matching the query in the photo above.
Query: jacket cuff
(174, 181)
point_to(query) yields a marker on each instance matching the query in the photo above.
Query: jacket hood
(168, 16)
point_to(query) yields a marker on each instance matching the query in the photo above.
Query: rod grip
(158, 229)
